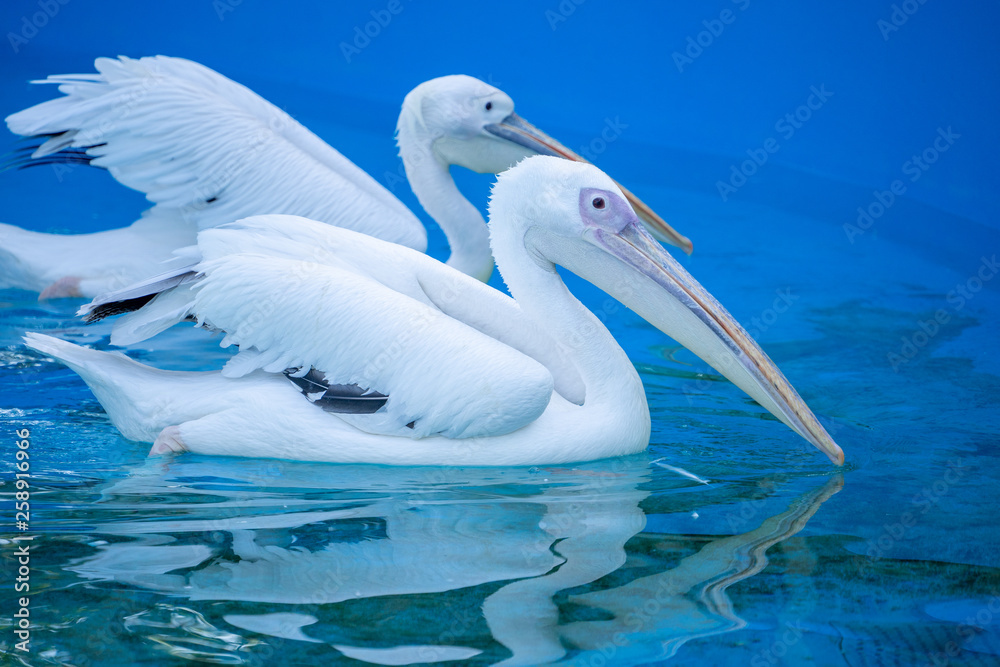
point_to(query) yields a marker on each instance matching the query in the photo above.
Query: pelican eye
(489, 106)
(598, 202)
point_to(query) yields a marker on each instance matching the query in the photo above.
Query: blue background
(571, 66)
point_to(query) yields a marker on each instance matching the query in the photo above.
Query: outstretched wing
(207, 148)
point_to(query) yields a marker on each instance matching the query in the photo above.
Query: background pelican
(207, 150)
(438, 368)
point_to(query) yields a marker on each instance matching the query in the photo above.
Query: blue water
(780, 558)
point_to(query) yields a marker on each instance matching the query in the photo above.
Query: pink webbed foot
(69, 286)
(168, 442)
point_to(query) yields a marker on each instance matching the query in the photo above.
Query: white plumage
(183, 134)
(472, 376)
(207, 150)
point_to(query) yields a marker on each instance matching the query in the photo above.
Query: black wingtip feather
(117, 308)
(338, 398)
(20, 157)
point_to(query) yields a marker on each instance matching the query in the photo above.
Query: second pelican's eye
(489, 105)
(598, 202)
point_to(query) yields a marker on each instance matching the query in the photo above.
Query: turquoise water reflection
(232, 561)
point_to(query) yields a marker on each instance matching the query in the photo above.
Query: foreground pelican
(206, 151)
(403, 360)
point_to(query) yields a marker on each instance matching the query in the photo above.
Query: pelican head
(467, 122)
(573, 215)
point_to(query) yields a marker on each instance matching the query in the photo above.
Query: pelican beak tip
(837, 456)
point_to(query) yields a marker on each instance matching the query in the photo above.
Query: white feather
(158, 315)
(205, 150)
(183, 134)
(330, 314)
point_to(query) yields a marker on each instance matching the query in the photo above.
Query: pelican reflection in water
(437, 561)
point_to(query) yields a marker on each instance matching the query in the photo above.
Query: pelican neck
(462, 224)
(540, 291)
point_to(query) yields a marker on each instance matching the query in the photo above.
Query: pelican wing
(439, 374)
(297, 294)
(207, 148)
(414, 275)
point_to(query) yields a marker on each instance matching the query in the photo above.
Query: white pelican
(207, 150)
(403, 360)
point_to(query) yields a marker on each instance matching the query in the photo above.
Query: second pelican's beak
(626, 262)
(515, 129)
